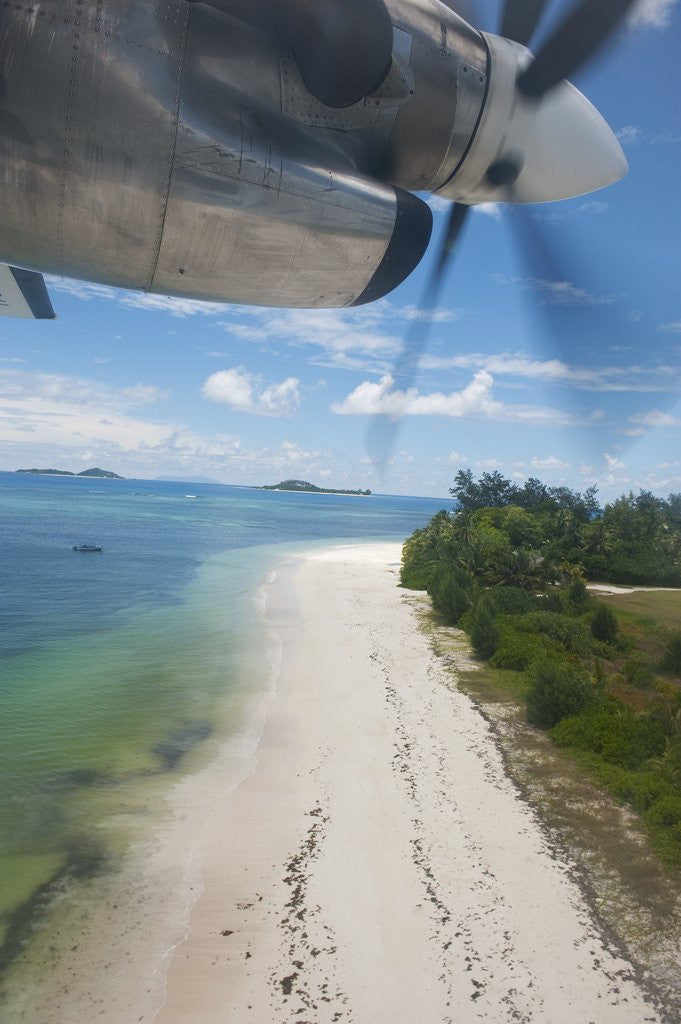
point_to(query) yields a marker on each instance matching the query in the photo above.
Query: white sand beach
(378, 865)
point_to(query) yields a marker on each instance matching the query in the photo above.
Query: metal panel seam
(172, 149)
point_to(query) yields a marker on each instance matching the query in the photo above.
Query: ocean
(122, 671)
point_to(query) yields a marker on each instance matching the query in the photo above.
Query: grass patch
(659, 607)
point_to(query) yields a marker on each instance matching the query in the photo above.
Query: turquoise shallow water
(119, 670)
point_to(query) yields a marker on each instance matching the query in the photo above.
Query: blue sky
(148, 386)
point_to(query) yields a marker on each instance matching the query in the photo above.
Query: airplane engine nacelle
(138, 153)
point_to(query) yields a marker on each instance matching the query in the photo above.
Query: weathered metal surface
(92, 93)
(150, 144)
(257, 212)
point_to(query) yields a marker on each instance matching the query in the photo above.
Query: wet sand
(378, 865)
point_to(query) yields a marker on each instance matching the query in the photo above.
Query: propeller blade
(520, 19)
(383, 429)
(566, 284)
(585, 29)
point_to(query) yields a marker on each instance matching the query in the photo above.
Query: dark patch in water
(74, 777)
(83, 860)
(180, 742)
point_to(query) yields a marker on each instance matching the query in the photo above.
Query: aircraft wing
(23, 293)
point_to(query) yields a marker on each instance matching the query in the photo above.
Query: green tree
(449, 594)
(484, 632)
(556, 691)
(604, 624)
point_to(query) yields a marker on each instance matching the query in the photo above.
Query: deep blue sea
(120, 667)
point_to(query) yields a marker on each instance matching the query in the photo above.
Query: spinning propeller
(538, 140)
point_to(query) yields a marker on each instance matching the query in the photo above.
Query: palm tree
(464, 527)
(597, 540)
(518, 568)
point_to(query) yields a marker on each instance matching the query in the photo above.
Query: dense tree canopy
(508, 566)
(635, 539)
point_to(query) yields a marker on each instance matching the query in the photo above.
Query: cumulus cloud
(476, 400)
(243, 392)
(370, 397)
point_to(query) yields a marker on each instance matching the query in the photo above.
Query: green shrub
(556, 690)
(614, 732)
(578, 594)
(512, 600)
(672, 657)
(550, 602)
(518, 651)
(569, 633)
(604, 624)
(640, 672)
(448, 595)
(484, 632)
(665, 811)
(642, 789)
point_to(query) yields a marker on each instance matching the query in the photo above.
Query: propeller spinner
(554, 147)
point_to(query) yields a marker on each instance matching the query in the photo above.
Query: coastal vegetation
(95, 471)
(303, 485)
(510, 566)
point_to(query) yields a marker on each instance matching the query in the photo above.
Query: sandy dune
(378, 866)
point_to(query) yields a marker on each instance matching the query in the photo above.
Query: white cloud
(242, 392)
(492, 210)
(72, 412)
(474, 401)
(144, 394)
(551, 462)
(652, 13)
(433, 316)
(612, 462)
(655, 418)
(630, 134)
(593, 206)
(565, 211)
(357, 339)
(178, 307)
(436, 203)
(554, 371)
(362, 338)
(557, 293)
(671, 328)
(292, 452)
(635, 134)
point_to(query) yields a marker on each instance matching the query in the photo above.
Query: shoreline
(379, 865)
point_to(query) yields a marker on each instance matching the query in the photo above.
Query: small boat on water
(87, 547)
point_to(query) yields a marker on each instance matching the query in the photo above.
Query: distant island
(95, 471)
(303, 485)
